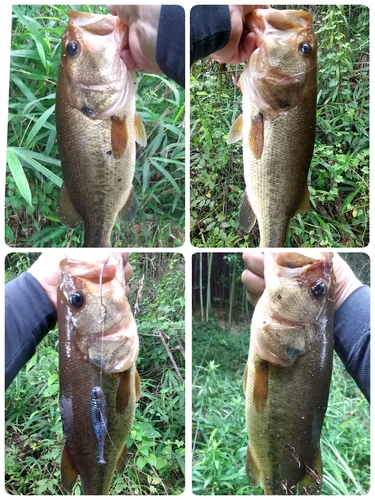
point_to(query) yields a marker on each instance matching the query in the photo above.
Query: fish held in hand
(288, 373)
(277, 125)
(97, 126)
(99, 383)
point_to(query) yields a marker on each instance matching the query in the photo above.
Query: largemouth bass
(277, 124)
(96, 126)
(288, 373)
(99, 383)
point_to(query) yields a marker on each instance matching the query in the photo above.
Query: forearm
(170, 44)
(29, 315)
(210, 28)
(352, 336)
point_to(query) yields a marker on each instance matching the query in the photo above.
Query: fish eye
(72, 48)
(76, 300)
(319, 288)
(305, 49)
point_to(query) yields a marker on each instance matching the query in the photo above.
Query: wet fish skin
(287, 376)
(96, 127)
(89, 359)
(277, 125)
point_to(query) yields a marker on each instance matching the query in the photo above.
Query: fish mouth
(116, 351)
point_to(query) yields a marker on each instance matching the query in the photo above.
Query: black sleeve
(170, 43)
(352, 337)
(29, 315)
(210, 28)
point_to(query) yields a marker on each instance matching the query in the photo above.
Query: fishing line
(102, 320)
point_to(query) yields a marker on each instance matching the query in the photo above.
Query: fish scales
(99, 183)
(277, 125)
(97, 127)
(95, 350)
(276, 183)
(288, 374)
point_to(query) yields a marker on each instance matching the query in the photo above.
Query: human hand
(241, 43)
(47, 268)
(143, 21)
(254, 282)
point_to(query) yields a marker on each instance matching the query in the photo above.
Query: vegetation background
(156, 444)
(34, 176)
(339, 174)
(221, 328)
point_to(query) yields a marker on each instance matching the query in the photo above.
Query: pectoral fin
(247, 216)
(137, 382)
(256, 136)
(129, 210)
(244, 380)
(119, 136)
(123, 392)
(67, 212)
(140, 131)
(235, 132)
(68, 472)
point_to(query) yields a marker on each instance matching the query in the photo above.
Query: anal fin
(247, 216)
(305, 205)
(129, 210)
(67, 212)
(68, 472)
(252, 470)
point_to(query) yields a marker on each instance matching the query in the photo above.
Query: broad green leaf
(19, 175)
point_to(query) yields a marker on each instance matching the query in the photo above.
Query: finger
(245, 49)
(253, 282)
(254, 261)
(127, 57)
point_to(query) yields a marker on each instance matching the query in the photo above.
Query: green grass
(339, 174)
(34, 177)
(219, 432)
(156, 444)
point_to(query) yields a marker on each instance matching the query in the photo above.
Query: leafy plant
(219, 432)
(34, 176)
(339, 173)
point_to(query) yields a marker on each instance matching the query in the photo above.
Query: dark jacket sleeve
(210, 28)
(352, 337)
(29, 315)
(170, 43)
